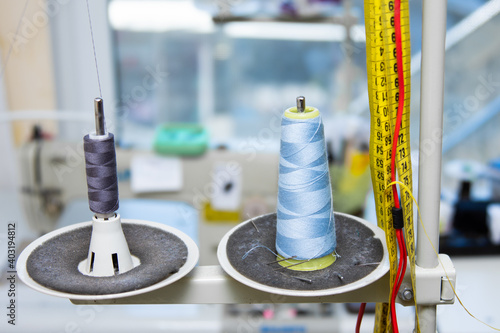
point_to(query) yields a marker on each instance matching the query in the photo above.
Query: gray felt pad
(54, 264)
(355, 244)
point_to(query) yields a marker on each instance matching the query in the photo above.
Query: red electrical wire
(401, 102)
(360, 316)
(404, 261)
(399, 278)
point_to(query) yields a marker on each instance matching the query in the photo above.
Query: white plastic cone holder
(108, 252)
(191, 261)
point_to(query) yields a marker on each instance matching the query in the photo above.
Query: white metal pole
(431, 130)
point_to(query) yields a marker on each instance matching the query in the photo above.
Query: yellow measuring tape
(383, 88)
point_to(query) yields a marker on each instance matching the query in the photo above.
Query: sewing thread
(102, 181)
(305, 219)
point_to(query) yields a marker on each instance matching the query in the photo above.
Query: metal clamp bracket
(433, 287)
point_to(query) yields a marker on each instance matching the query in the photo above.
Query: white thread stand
(211, 285)
(379, 271)
(191, 261)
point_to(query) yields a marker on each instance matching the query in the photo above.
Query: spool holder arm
(211, 285)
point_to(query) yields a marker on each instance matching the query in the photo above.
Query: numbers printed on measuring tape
(404, 166)
(382, 81)
(401, 138)
(402, 152)
(384, 96)
(385, 110)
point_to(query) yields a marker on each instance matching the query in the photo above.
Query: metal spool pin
(100, 128)
(301, 104)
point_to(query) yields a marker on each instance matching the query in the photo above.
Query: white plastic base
(108, 252)
(376, 274)
(191, 261)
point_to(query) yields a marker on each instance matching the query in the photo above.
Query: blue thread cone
(305, 220)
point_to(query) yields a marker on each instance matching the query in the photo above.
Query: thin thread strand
(257, 247)
(93, 46)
